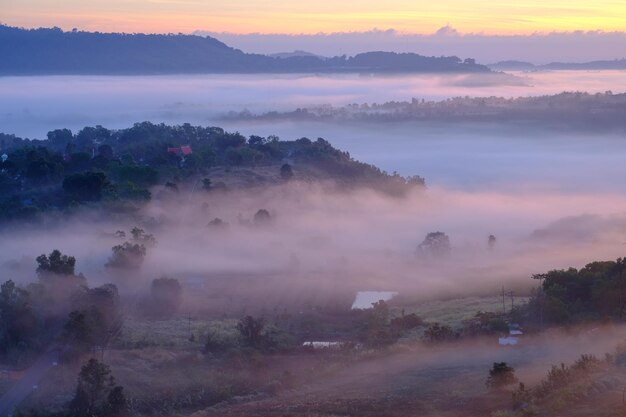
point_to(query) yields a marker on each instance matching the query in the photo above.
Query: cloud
(538, 48)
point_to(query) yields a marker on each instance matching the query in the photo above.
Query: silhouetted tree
(251, 330)
(96, 392)
(501, 375)
(218, 223)
(56, 263)
(85, 186)
(435, 245)
(127, 256)
(166, 294)
(262, 217)
(439, 333)
(18, 323)
(286, 172)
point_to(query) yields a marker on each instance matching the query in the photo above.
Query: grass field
(453, 312)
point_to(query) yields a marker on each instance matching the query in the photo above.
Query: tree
(378, 331)
(251, 330)
(106, 151)
(55, 263)
(127, 256)
(85, 186)
(262, 217)
(405, 322)
(167, 294)
(78, 333)
(88, 136)
(286, 172)
(96, 392)
(435, 245)
(140, 236)
(439, 333)
(18, 324)
(143, 176)
(95, 320)
(218, 224)
(60, 138)
(501, 375)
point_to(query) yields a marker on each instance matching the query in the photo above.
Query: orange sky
(281, 16)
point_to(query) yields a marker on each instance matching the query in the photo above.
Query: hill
(566, 111)
(615, 64)
(98, 165)
(52, 51)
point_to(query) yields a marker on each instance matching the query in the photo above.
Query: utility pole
(503, 299)
(510, 294)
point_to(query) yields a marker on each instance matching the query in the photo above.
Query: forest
(101, 165)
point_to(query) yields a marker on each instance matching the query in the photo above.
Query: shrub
(501, 375)
(439, 333)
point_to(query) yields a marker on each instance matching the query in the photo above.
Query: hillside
(53, 51)
(128, 165)
(565, 111)
(604, 65)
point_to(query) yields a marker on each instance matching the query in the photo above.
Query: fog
(552, 199)
(474, 157)
(31, 106)
(324, 242)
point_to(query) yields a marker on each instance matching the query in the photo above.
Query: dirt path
(440, 381)
(31, 377)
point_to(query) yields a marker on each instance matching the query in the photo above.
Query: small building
(508, 341)
(322, 345)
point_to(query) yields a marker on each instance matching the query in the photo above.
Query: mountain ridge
(52, 51)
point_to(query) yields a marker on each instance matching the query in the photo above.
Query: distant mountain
(284, 55)
(512, 66)
(53, 51)
(616, 64)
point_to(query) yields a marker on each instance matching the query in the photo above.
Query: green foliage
(56, 263)
(218, 224)
(60, 138)
(406, 322)
(166, 295)
(127, 256)
(378, 331)
(143, 176)
(286, 172)
(485, 323)
(94, 322)
(557, 378)
(86, 186)
(596, 291)
(436, 333)
(501, 375)
(18, 323)
(61, 172)
(130, 191)
(521, 397)
(435, 245)
(96, 392)
(140, 236)
(251, 331)
(262, 217)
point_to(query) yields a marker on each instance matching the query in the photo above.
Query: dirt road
(22, 388)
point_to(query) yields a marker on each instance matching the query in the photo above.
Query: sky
(502, 17)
